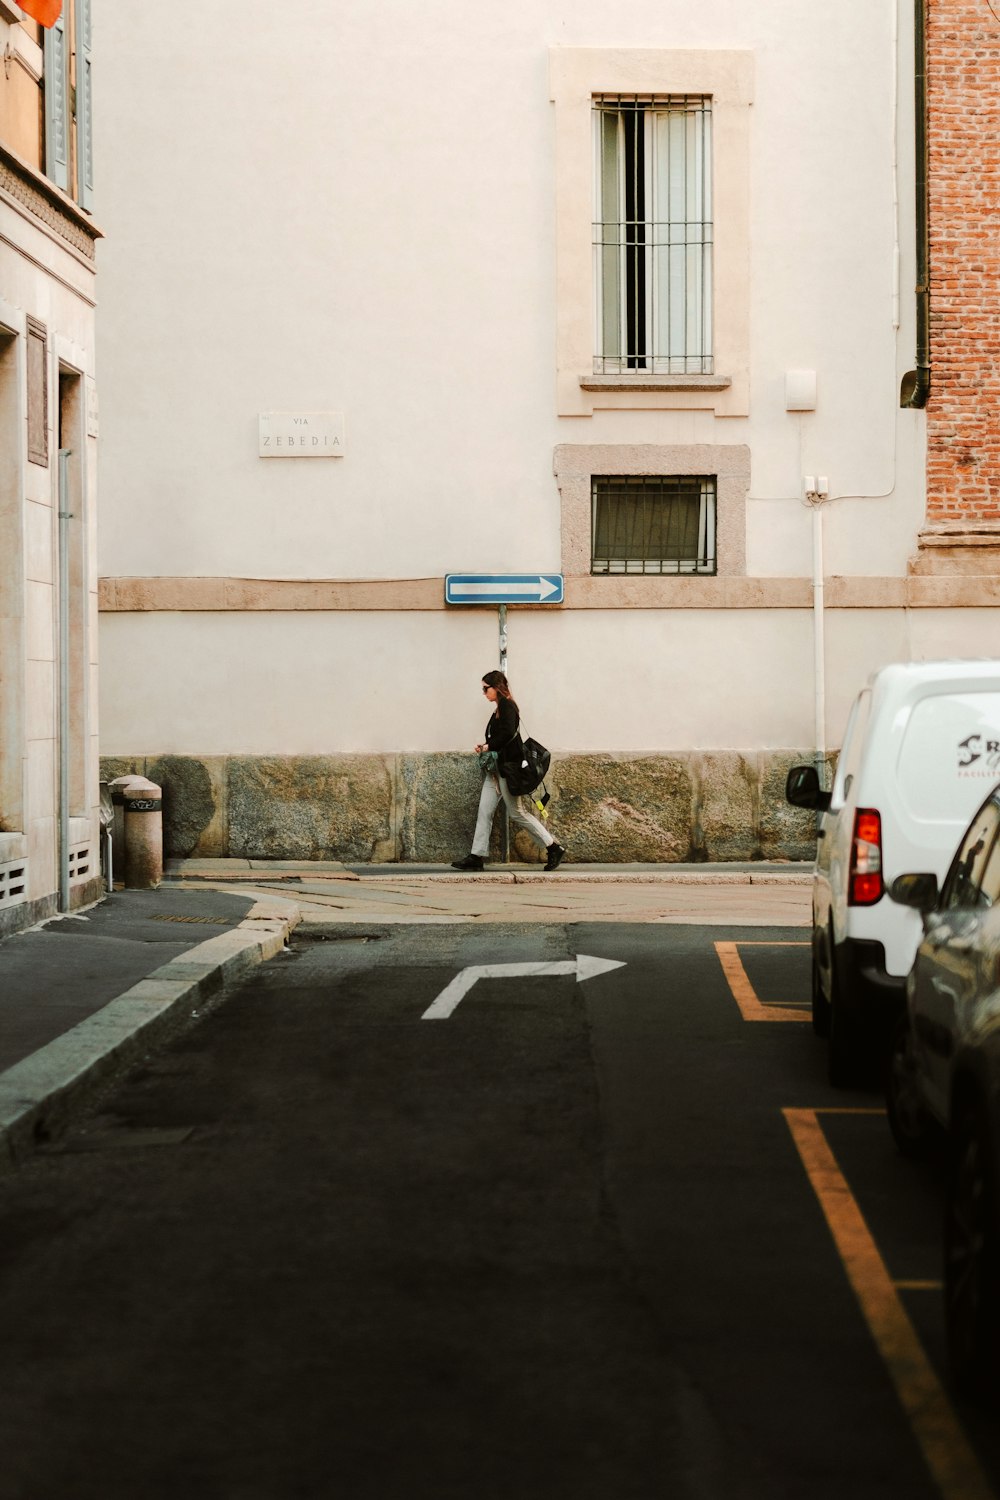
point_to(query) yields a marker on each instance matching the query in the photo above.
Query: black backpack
(522, 776)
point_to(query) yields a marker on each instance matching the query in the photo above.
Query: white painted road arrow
(583, 966)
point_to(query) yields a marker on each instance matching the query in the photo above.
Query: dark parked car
(944, 1079)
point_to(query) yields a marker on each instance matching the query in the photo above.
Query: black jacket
(502, 733)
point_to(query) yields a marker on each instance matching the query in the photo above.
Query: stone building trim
(576, 74)
(958, 547)
(252, 595)
(28, 190)
(576, 463)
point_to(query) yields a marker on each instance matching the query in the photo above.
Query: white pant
(489, 797)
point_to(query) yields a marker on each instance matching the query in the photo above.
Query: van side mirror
(802, 789)
(919, 891)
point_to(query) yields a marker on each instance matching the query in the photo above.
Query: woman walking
(503, 742)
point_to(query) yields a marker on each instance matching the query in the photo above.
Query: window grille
(653, 524)
(653, 234)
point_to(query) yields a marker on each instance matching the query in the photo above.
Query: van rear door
(948, 759)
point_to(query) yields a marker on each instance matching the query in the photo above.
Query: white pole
(64, 674)
(819, 638)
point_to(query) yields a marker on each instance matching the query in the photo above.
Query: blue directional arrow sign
(503, 588)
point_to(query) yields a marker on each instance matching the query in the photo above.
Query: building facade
(611, 292)
(49, 793)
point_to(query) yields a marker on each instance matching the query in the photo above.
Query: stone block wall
(361, 809)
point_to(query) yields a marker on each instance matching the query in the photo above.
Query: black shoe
(556, 853)
(470, 862)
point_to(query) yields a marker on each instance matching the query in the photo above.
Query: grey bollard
(143, 834)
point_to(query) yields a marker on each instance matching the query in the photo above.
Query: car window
(965, 885)
(989, 886)
(850, 752)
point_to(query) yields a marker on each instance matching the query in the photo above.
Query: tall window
(653, 524)
(653, 234)
(69, 136)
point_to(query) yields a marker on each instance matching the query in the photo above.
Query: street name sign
(300, 434)
(503, 588)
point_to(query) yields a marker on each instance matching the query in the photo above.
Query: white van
(921, 750)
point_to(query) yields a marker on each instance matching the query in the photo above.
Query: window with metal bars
(653, 234)
(653, 524)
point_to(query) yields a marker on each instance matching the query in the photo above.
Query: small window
(653, 524)
(653, 234)
(963, 886)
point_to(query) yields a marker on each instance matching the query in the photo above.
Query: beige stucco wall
(429, 277)
(427, 309)
(378, 681)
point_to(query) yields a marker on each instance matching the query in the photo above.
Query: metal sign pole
(502, 589)
(502, 621)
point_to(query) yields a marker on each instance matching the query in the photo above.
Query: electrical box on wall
(800, 390)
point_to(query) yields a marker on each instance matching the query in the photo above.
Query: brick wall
(963, 414)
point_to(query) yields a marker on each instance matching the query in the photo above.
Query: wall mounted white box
(302, 434)
(800, 390)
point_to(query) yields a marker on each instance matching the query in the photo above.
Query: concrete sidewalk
(84, 996)
(749, 894)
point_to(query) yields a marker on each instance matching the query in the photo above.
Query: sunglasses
(487, 686)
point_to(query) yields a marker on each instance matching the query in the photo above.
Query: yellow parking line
(751, 1008)
(945, 1447)
(849, 1109)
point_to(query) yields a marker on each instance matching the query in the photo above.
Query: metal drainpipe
(64, 748)
(819, 641)
(916, 386)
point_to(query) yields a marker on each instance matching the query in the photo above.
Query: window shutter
(57, 105)
(38, 393)
(84, 108)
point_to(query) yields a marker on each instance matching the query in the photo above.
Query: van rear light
(865, 885)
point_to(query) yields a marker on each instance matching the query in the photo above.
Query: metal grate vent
(13, 883)
(205, 921)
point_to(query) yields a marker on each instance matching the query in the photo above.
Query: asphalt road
(609, 1238)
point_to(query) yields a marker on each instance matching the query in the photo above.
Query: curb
(590, 877)
(40, 1093)
(303, 876)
